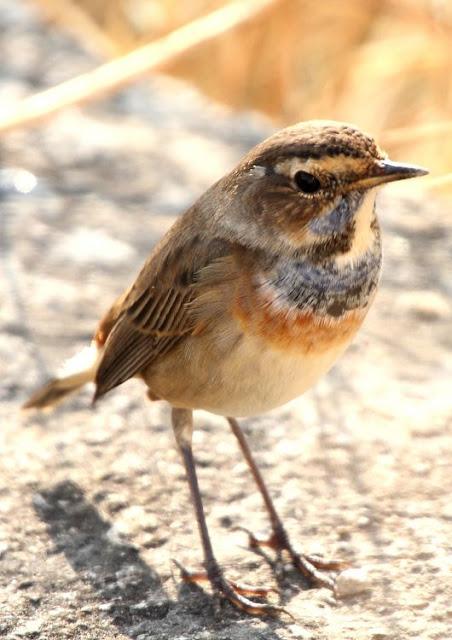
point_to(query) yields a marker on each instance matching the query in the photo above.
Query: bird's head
(310, 188)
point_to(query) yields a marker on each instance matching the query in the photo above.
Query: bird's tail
(75, 373)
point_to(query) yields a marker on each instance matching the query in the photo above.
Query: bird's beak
(386, 171)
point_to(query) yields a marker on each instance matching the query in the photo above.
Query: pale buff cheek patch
(364, 236)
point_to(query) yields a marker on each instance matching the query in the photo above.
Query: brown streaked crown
(315, 139)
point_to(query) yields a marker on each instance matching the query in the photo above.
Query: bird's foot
(312, 567)
(236, 593)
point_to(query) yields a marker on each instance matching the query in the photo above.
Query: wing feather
(157, 313)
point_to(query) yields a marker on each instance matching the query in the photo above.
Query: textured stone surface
(93, 504)
(352, 581)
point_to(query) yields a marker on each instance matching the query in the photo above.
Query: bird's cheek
(293, 220)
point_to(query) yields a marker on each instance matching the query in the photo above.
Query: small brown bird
(251, 296)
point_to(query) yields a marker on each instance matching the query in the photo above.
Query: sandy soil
(94, 504)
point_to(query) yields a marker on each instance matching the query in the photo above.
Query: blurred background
(115, 115)
(385, 65)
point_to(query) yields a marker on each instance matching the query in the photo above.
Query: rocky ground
(93, 503)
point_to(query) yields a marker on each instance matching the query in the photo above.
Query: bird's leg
(310, 566)
(182, 420)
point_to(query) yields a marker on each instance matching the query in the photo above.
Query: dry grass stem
(114, 75)
(385, 65)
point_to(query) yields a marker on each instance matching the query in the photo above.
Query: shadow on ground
(129, 591)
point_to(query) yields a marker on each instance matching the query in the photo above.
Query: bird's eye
(306, 182)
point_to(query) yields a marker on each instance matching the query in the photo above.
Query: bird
(250, 297)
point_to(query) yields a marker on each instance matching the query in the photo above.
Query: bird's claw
(236, 593)
(310, 566)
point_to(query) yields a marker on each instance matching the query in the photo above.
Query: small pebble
(425, 305)
(86, 609)
(299, 632)
(417, 604)
(115, 537)
(350, 582)
(380, 634)
(25, 584)
(30, 629)
(422, 469)
(363, 522)
(344, 547)
(446, 512)
(344, 534)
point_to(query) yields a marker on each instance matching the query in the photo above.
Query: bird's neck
(332, 282)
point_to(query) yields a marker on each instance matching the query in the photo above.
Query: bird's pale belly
(256, 379)
(245, 374)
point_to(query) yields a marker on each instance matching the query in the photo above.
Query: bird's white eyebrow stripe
(333, 164)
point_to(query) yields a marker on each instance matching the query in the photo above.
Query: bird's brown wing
(156, 312)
